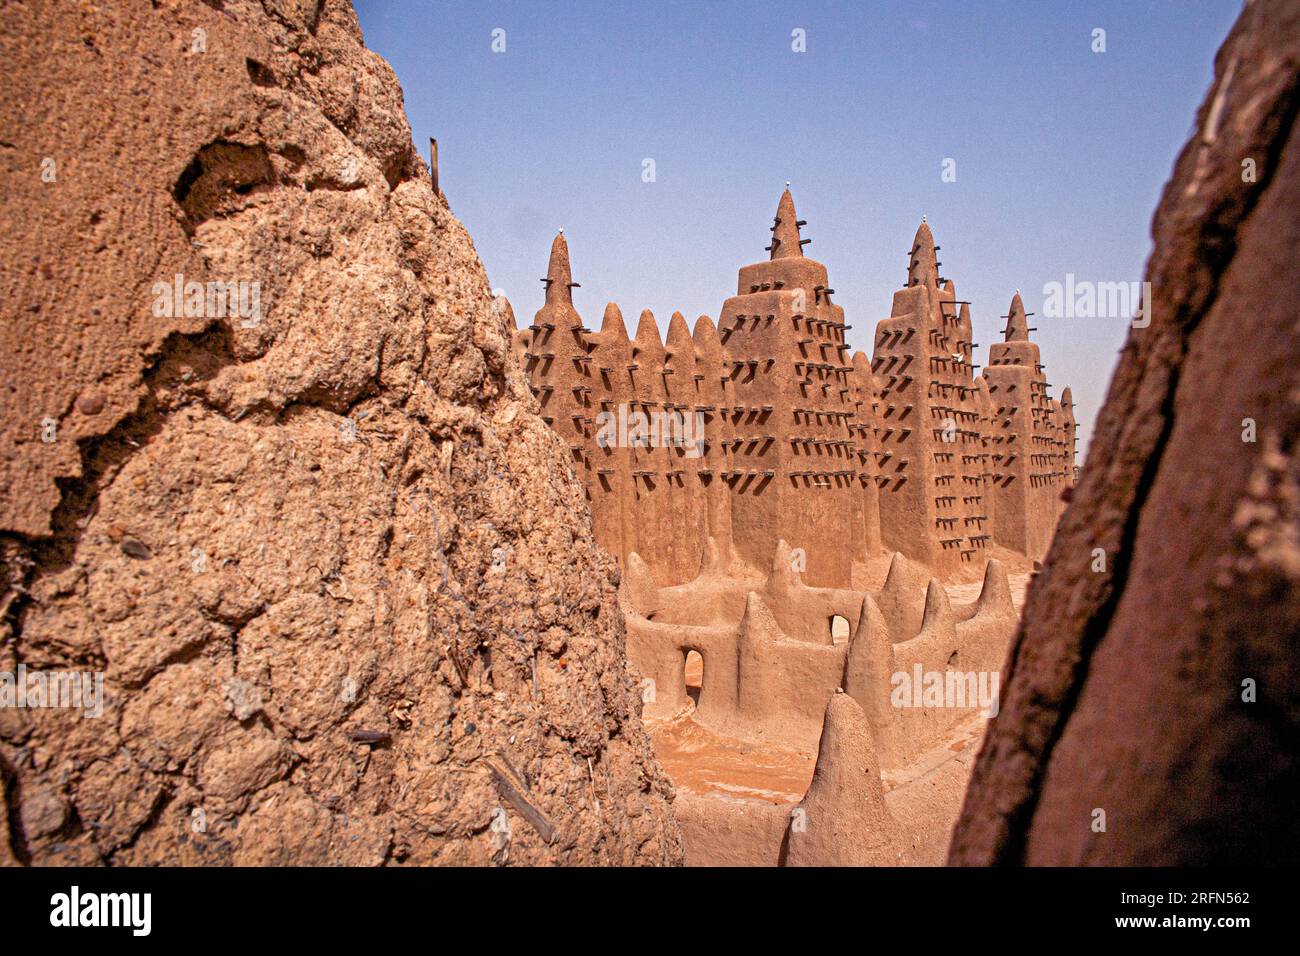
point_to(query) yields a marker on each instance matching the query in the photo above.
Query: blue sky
(1060, 153)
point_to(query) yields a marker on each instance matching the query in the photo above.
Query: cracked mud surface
(331, 562)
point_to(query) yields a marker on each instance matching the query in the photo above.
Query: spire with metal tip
(922, 266)
(559, 281)
(785, 230)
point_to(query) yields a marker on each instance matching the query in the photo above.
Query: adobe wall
(770, 665)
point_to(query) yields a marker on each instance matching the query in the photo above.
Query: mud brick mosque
(844, 457)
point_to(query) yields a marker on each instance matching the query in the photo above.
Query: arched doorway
(839, 629)
(694, 675)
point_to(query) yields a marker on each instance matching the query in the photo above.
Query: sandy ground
(925, 796)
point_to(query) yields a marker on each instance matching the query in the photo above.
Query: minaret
(558, 362)
(792, 471)
(930, 470)
(1026, 441)
(1068, 440)
(1069, 424)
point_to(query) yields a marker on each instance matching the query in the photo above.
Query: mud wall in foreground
(333, 566)
(1165, 692)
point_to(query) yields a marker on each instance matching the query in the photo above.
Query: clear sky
(1060, 152)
